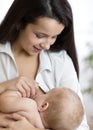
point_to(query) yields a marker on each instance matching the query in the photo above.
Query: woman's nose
(46, 45)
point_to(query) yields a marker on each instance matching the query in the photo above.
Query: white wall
(4, 6)
(83, 23)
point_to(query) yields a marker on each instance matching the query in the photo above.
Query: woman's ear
(43, 106)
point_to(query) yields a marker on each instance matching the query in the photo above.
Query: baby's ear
(43, 106)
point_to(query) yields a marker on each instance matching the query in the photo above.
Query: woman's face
(39, 36)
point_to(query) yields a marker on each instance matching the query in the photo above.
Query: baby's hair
(65, 111)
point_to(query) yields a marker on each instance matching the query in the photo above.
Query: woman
(37, 49)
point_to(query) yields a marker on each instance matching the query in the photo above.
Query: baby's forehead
(61, 91)
(56, 91)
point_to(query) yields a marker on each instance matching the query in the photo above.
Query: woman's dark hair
(23, 12)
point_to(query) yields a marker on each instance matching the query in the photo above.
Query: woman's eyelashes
(54, 37)
(40, 35)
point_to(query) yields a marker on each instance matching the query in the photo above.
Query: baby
(59, 109)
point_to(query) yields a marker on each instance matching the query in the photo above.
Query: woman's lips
(37, 50)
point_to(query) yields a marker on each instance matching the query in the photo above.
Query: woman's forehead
(48, 26)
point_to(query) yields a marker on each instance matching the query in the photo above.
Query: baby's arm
(11, 101)
(14, 101)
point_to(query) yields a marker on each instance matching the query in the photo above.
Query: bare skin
(31, 41)
(15, 122)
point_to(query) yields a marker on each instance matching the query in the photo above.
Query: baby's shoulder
(8, 93)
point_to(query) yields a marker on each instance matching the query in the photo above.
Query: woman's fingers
(5, 120)
(21, 122)
(33, 85)
(22, 88)
(14, 122)
(27, 87)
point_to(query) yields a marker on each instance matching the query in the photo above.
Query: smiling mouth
(36, 49)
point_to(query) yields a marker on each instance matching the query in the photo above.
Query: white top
(56, 70)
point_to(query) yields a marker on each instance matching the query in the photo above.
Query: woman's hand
(26, 86)
(20, 122)
(14, 122)
(5, 120)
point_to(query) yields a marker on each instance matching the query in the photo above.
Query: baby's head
(61, 109)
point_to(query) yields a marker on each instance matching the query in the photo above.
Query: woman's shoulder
(55, 60)
(61, 56)
(6, 51)
(5, 46)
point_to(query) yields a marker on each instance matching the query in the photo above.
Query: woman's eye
(39, 36)
(55, 37)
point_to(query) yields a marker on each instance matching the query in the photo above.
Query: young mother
(37, 49)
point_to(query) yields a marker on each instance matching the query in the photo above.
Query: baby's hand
(27, 87)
